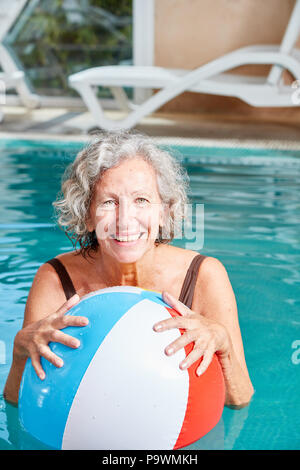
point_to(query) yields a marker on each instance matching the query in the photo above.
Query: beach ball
(119, 390)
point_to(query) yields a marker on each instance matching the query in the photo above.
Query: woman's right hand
(33, 340)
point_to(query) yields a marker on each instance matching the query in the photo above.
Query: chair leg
(121, 98)
(28, 98)
(290, 37)
(92, 102)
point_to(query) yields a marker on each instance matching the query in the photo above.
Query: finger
(46, 352)
(175, 322)
(192, 357)
(36, 364)
(181, 342)
(176, 304)
(70, 320)
(68, 340)
(207, 358)
(68, 304)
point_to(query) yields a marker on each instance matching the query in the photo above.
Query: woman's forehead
(134, 173)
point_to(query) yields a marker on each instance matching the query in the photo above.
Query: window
(53, 39)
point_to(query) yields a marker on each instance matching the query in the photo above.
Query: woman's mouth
(127, 240)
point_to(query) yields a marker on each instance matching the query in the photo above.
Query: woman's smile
(128, 240)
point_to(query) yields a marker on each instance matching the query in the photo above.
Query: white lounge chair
(7, 82)
(11, 76)
(209, 78)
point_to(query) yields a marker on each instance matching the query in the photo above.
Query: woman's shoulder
(71, 262)
(69, 259)
(68, 256)
(176, 252)
(211, 268)
(187, 256)
(180, 259)
(46, 291)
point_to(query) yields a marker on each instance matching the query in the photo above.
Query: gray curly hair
(106, 151)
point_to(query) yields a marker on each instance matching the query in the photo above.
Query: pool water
(252, 224)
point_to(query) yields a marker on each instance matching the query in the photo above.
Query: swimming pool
(252, 220)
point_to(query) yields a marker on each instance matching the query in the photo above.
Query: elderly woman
(121, 200)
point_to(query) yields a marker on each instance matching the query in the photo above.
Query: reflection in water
(236, 423)
(214, 440)
(18, 437)
(223, 437)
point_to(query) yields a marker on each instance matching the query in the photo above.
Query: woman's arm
(219, 305)
(213, 327)
(44, 316)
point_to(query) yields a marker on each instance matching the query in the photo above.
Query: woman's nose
(126, 211)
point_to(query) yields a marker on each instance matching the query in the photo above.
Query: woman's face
(126, 210)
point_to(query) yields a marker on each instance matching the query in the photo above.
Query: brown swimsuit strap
(189, 283)
(187, 290)
(64, 277)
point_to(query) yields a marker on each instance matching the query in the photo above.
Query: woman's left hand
(208, 336)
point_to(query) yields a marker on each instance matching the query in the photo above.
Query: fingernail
(169, 351)
(183, 365)
(42, 375)
(74, 298)
(168, 296)
(60, 362)
(157, 327)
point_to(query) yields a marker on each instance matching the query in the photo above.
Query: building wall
(189, 33)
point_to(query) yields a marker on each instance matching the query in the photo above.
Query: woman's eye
(141, 201)
(109, 203)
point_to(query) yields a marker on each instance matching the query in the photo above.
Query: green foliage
(61, 37)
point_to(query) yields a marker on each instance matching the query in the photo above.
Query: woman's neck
(137, 273)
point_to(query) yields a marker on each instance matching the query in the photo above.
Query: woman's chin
(128, 253)
(129, 259)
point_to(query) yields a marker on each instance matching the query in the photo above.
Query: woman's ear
(164, 221)
(163, 215)
(89, 225)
